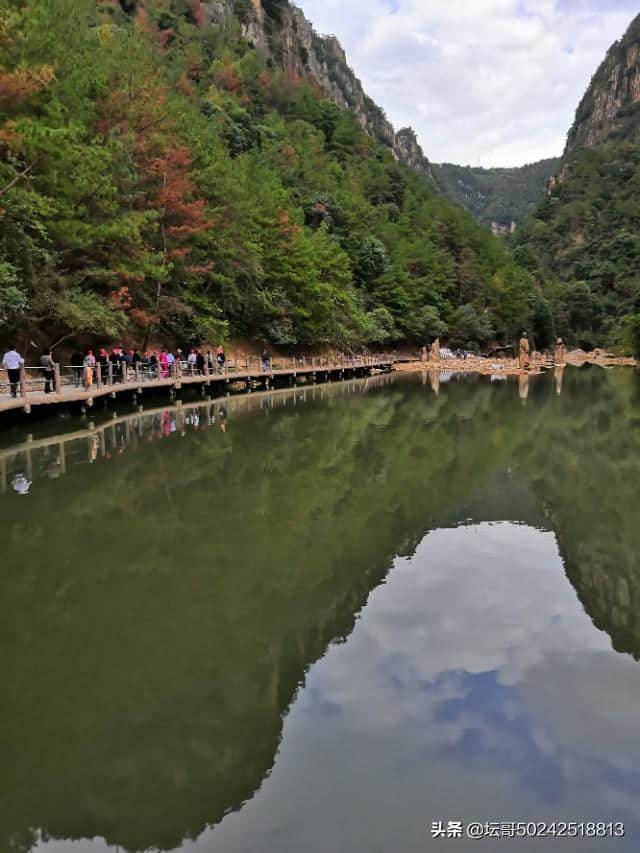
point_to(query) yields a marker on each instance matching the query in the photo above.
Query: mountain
(187, 172)
(583, 241)
(610, 108)
(280, 31)
(498, 198)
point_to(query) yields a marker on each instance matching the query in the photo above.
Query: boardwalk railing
(60, 383)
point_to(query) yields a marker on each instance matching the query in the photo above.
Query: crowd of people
(116, 365)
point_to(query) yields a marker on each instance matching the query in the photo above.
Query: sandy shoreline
(511, 366)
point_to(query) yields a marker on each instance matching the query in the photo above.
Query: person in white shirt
(12, 362)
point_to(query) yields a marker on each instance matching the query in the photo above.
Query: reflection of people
(523, 386)
(559, 355)
(559, 375)
(524, 351)
(434, 380)
(435, 350)
(20, 484)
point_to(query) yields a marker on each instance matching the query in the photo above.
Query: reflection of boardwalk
(52, 456)
(32, 394)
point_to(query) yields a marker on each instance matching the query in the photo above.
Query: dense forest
(584, 241)
(500, 196)
(161, 179)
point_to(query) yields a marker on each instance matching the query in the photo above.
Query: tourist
(12, 362)
(153, 365)
(48, 371)
(220, 358)
(164, 364)
(116, 365)
(125, 361)
(266, 360)
(209, 361)
(192, 361)
(89, 365)
(103, 361)
(77, 361)
(171, 359)
(524, 351)
(200, 362)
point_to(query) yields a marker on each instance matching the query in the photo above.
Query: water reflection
(167, 585)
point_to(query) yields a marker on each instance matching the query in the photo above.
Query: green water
(323, 620)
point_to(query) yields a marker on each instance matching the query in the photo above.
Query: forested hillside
(496, 197)
(584, 240)
(160, 176)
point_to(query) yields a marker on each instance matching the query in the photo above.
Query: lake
(337, 618)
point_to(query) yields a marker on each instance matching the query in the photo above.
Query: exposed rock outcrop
(610, 108)
(282, 32)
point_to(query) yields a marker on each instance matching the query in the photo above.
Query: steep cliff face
(282, 32)
(610, 108)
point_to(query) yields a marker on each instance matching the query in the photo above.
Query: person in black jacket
(116, 365)
(48, 367)
(77, 362)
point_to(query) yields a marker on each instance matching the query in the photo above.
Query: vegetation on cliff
(496, 196)
(585, 242)
(158, 175)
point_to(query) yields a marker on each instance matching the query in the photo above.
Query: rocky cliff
(610, 108)
(282, 32)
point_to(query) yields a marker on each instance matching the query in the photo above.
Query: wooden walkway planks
(71, 394)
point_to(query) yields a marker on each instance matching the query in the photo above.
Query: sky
(482, 82)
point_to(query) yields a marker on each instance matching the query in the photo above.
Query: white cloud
(485, 82)
(473, 686)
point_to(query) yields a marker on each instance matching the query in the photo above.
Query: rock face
(282, 32)
(610, 108)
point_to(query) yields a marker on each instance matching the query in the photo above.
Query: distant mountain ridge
(280, 30)
(499, 198)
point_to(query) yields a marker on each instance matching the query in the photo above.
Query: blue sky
(484, 82)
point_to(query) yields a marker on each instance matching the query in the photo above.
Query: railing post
(56, 379)
(98, 375)
(110, 374)
(23, 381)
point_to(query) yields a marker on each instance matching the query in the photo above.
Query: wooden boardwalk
(138, 381)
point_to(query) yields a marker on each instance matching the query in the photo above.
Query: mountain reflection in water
(168, 586)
